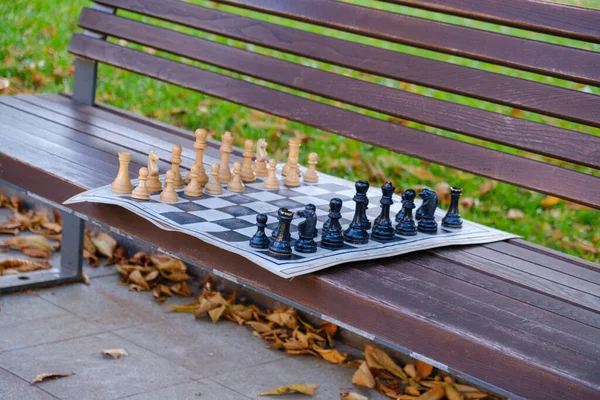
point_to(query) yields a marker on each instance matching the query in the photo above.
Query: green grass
(34, 58)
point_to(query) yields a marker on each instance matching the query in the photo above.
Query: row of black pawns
(357, 233)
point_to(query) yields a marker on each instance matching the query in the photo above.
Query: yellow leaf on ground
(332, 355)
(215, 313)
(303, 388)
(183, 308)
(137, 278)
(473, 396)
(410, 370)
(379, 359)
(329, 328)
(363, 376)
(86, 278)
(346, 395)
(114, 353)
(423, 369)
(51, 375)
(452, 393)
(514, 213)
(435, 393)
(549, 201)
(259, 327)
(104, 244)
(465, 388)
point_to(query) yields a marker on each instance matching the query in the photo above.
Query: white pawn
(236, 184)
(248, 174)
(311, 176)
(178, 182)
(141, 192)
(213, 186)
(272, 182)
(169, 195)
(260, 164)
(292, 179)
(193, 189)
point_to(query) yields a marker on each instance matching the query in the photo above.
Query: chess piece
(307, 230)
(193, 188)
(153, 183)
(260, 240)
(281, 244)
(226, 149)
(365, 220)
(294, 152)
(236, 185)
(200, 145)
(331, 237)
(292, 179)
(248, 174)
(427, 223)
(141, 192)
(213, 186)
(122, 183)
(383, 229)
(357, 233)
(272, 182)
(310, 176)
(406, 226)
(400, 213)
(452, 219)
(169, 195)
(260, 164)
(178, 182)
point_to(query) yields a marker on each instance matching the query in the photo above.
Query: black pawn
(307, 230)
(260, 239)
(357, 232)
(400, 213)
(383, 228)
(281, 243)
(365, 220)
(332, 237)
(406, 226)
(427, 222)
(452, 219)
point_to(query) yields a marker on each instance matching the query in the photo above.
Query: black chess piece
(365, 220)
(400, 213)
(427, 223)
(332, 237)
(452, 219)
(260, 240)
(281, 243)
(406, 226)
(383, 228)
(357, 233)
(307, 230)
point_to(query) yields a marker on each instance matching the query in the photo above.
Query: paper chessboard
(229, 221)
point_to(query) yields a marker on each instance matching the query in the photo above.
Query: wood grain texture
(548, 59)
(520, 93)
(524, 172)
(520, 133)
(540, 16)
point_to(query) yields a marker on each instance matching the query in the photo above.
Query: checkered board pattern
(229, 221)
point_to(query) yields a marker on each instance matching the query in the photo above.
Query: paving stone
(203, 389)
(201, 346)
(331, 378)
(14, 388)
(21, 307)
(110, 305)
(99, 271)
(96, 376)
(44, 330)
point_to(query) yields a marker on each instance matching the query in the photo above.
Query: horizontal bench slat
(561, 182)
(583, 149)
(519, 93)
(553, 18)
(549, 59)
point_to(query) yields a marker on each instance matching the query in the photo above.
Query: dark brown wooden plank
(511, 131)
(547, 17)
(514, 92)
(320, 293)
(528, 173)
(548, 59)
(555, 254)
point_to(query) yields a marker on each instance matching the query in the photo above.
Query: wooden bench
(515, 317)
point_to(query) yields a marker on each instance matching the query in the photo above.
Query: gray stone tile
(96, 376)
(331, 378)
(99, 271)
(14, 388)
(203, 389)
(110, 305)
(201, 346)
(44, 330)
(22, 307)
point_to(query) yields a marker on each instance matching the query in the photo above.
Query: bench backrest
(558, 161)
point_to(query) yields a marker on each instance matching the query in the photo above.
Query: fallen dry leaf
(423, 369)
(435, 393)
(114, 353)
(216, 313)
(22, 265)
(104, 244)
(514, 213)
(51, 375)
(466, 203)
(474, 396)
(377, 358)
(410, 370)
(137, 278)
(86, 278)
(549, 201)
(486, 187)
(452, 393)
(346, 395)
(302, 388)
(331, 355)
(363, 376)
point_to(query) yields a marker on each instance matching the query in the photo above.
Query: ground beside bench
(517, 319)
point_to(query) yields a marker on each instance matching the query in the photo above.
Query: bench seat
(514, 317)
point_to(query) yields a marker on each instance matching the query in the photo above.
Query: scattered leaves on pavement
(114, 353)
(51, 375)
(302, 388)
(346, 395)
(363, 376)
(15, 265)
